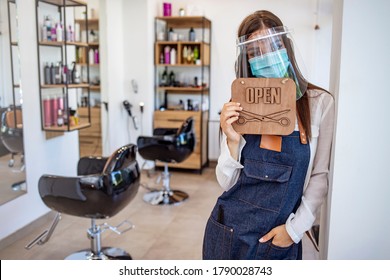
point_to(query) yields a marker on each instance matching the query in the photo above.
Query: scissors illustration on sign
(253, 117)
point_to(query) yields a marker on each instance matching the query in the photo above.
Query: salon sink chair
(103, 187)
(11, 133)
(168, 145)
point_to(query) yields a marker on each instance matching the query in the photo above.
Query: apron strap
(302, 132)
(274, 142)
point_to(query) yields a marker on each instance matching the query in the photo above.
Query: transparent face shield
(269, 53)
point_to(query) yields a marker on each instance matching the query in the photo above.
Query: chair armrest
(165, 131)
(91, 165)
(60, 187)
(157, 140)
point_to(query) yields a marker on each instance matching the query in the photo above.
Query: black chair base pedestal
(107, 253)
(164, 197)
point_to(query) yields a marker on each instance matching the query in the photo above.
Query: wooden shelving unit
(90, 139)
(60, 99)
(185, 65)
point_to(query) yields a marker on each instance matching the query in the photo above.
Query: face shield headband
(269, 54)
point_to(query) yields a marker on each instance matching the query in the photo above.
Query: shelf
(94, 88)
(64, 85)
(181, 65)
(67, 3)
(184, 89)
(185, 21)
(65, 127)
(93, 44)
(60, 44)
(14, 44)
(182, 43)
(90, 65)
(92, 23)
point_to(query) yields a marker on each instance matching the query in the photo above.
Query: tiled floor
(161, 232)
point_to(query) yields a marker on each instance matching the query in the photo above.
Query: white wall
(54, 156)
(359, 199)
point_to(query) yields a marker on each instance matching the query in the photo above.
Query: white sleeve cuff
(227, 169)
(297, 224)
(225, 157)
(294, 236)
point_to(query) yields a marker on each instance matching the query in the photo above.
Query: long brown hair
(260, 20)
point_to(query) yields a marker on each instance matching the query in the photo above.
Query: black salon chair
(103, 188)
(168, 145)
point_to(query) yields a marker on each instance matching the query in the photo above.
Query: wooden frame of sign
(269, 105)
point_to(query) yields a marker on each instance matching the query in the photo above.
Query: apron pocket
(264, 184)
(217, 241)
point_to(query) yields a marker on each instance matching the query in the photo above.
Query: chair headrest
(121, 158)
(187, 126)
(12, 117)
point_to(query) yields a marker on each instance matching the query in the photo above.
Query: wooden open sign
(268, 105)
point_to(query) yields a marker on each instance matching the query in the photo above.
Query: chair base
(164, 197)
(107, 253)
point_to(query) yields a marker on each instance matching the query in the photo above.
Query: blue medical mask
(271, 65)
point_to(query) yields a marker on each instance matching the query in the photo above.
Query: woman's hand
(229, 115)
(280, 237)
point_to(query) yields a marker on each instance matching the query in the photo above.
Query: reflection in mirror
(12, 171)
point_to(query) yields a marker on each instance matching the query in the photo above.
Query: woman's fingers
(229, 110)
(231, 120)
(231, 106)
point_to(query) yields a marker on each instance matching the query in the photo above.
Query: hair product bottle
(44, 32)
(54, 110)
(164, 77)
(167, 50)
(53, 34)
(196, 54)
(52, 74)
(75, 74)
(161, 58)
(184, 55)
(57, 74)
(96, 56)
(191, 35)
(60, 118)
(59, 32)
(91, 55)
(167, 9)
(173, 56)
(172, 78)
(46, 71)
(46, 111)
(170, 34)
(65, 75)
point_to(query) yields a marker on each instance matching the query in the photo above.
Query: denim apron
(268, 190)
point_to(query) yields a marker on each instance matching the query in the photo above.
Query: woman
(271, 197)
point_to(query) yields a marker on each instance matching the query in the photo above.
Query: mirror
(12, 168)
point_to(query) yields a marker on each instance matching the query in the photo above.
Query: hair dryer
(128, 106)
